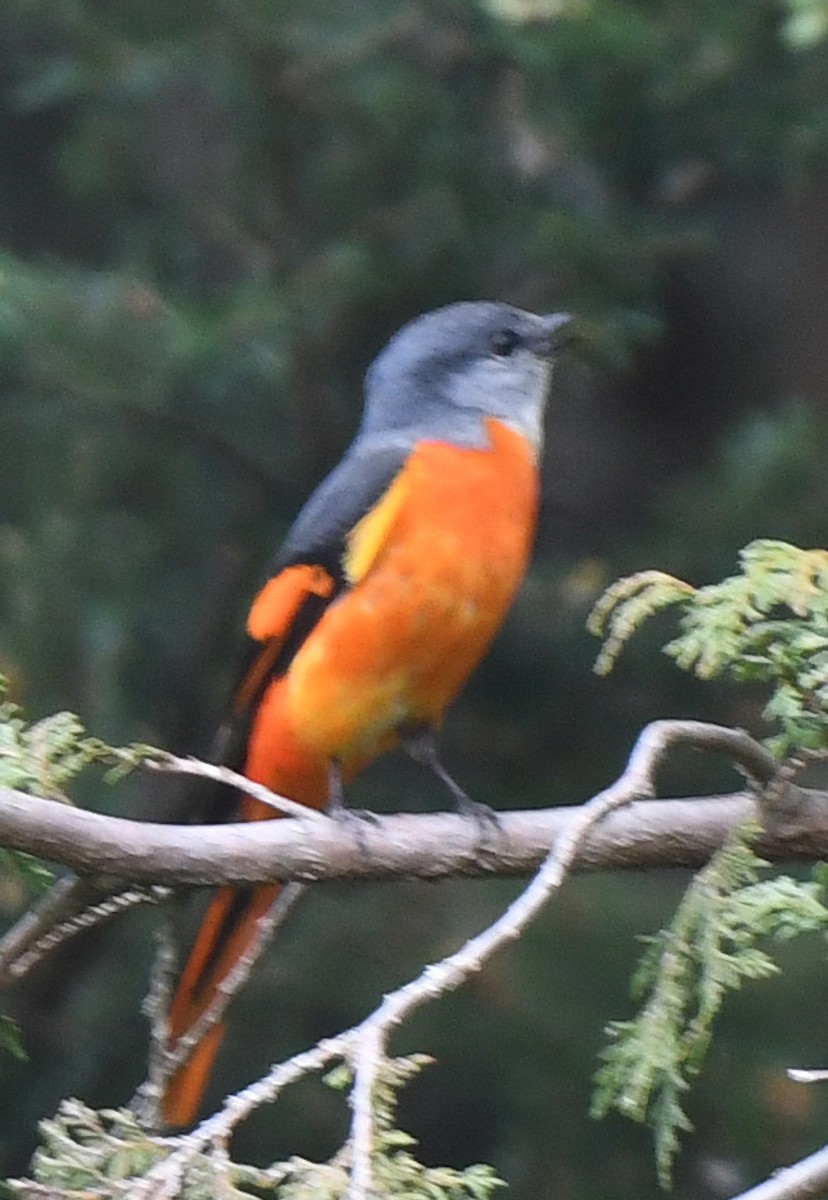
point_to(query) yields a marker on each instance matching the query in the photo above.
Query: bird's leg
(356, 818)
(336, 790)
(420, 744)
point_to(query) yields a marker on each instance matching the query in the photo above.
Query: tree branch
(116, 855)
(659, 833)
(806, 1178)
(664, 833)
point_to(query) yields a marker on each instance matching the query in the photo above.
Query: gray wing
(319, 533)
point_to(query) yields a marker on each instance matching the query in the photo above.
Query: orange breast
(397, 648)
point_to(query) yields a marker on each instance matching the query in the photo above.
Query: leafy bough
(768, 624)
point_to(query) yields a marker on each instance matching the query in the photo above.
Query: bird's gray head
(440, 375)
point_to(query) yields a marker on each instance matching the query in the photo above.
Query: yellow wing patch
(366, 540)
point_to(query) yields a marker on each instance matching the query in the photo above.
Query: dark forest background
(212, 215)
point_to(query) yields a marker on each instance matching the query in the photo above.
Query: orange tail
(226, 934)
(275, 759)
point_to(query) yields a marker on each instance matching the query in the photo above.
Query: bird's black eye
(504, 342)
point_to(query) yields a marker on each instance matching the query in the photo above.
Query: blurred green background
(213, 213)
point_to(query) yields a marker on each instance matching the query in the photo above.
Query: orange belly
(397, 648)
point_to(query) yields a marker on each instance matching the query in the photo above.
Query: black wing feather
(317, 537)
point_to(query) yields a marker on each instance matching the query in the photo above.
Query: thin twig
(146, 1103)
(67, 897)
(802, 1181)
(219, 774)
(78, 923)
(228, 987)
(750, 756)
(161, 1182)
(370, 1038)
(368, 1055)
(807, 1074)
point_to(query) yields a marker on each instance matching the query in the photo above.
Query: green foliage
(29, 872)
(10, 1038)
(39, 758)
(82, 1150)
(709, 949)
(626, 605)
(806, 23)
(766, 625)
(396, 1171)
(42, 757)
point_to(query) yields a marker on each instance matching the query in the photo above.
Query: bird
(387, 591)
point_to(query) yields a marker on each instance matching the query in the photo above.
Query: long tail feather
(230, 925)
(226, 935)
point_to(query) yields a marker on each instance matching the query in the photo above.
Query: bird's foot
(482, 814)
(489, 829)
(354, 819)
(357, 822)
(421, 745)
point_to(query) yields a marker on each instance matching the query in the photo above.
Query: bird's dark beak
(554, 333)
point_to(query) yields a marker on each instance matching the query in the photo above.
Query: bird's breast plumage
(433, 569)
